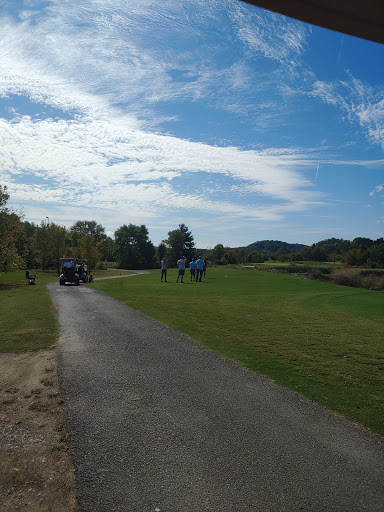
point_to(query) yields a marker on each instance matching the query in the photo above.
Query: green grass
(27, 319)
(322, 340)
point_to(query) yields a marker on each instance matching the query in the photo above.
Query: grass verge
(322, 340)
(27, 320)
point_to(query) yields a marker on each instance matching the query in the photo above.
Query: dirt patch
(36, 471)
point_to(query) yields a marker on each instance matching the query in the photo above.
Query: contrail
(317, 170)
(341, 46)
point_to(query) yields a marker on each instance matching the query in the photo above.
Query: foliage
(13, 246)
(221, 255)
(49, 243)
(179, 243)
(88, 251)
(161, 251)
(106, 249)
(272, 246)
(133, 249)
(91, 228)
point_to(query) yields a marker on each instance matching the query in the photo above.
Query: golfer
(199, 269)
(181, 265)
(192, 269)
(164, 270)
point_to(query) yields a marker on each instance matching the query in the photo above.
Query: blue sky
(243, 124)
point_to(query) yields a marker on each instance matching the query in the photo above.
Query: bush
(372, 272)
(373, 280)
(347, 278)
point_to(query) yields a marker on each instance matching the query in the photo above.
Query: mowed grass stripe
(322, 340)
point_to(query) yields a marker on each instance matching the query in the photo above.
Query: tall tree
(13, 247)
(161, 250)
(133, 249)
(179, 243)
(57, 238)
(105, 248)
(91, 228)
(89, 252)
(49, 243)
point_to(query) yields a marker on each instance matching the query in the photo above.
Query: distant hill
(271, 246)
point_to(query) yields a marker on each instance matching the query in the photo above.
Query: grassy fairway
(27, 321)
(323, 340)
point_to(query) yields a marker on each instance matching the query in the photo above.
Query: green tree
(133, 249)
(106, 249)
(13, 247)
(4, 196)
(57, 243)
(161, 251)
(39, 244)
(179, 243)
(85, 227)
(91, 228)
(50, 245)
(376, 254)
(89, 252)
(218, 252)
(355, 256)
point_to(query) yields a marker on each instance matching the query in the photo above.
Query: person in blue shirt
(199, 269)
(192, 269)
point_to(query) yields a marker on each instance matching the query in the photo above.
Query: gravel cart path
(160, 423)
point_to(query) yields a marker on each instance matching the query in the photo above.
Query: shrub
(347, 278)
(372, 272)
(373, 280)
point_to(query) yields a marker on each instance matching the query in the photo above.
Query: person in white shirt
(181, 265)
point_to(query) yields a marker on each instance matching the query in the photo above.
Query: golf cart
(69, 273)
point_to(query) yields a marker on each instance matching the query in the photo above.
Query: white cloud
(326, 92)
(271, 35)
(376, 190)
(360, 101)
(107, 162)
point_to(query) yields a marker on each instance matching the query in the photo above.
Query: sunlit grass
(27, 320)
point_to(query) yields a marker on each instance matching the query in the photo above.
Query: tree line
(24, 244)
(358, 252)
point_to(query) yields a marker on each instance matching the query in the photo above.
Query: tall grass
(322, 340)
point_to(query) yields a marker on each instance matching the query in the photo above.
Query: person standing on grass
(27, 276)
(199, 269)
(192, 269)
(164, 270)
(181, 265)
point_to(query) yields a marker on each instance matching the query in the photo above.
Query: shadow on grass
(9, 285)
